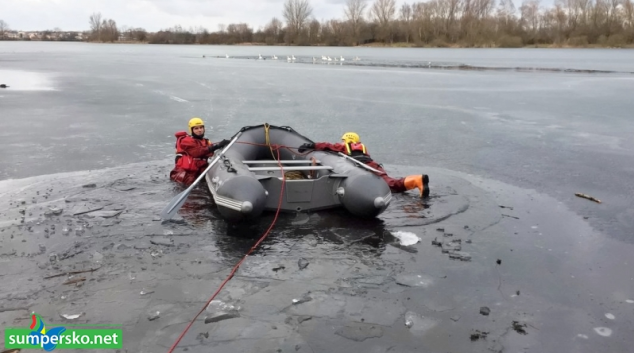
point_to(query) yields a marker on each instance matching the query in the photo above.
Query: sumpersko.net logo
(36, 336)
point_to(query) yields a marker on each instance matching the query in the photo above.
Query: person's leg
(182, 176)
(190, 179)
(420, 182)
(410, 182)
(178, 175)
(396, 185)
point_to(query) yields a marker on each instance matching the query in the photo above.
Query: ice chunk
(406, 238)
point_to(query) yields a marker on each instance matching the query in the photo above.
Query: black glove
(306, 146)
(218, 145)
(223, 143)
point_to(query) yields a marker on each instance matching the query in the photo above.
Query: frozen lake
(507, 136)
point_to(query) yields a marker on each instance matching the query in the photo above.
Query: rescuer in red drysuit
(353, 147)
(192, 152)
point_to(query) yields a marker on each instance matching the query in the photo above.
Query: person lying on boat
(352, 146)
(192, 152)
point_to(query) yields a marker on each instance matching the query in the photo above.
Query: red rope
(235, 268)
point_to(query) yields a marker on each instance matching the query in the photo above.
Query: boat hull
(247, 180)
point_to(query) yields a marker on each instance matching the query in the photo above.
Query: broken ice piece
(417, 322)
(302, 300)
(406, 238)
(603, 331)
(220, 316)
(302, 263)
(450, 247)
(154, 316)
(54, 211)
(408, 322)
(162, 241)
(71, 316)
(220, 306)
(460, 255)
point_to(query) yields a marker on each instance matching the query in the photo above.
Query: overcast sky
(154, 15)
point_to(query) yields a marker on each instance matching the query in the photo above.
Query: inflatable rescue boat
(249, 176)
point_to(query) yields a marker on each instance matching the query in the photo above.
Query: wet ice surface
(556, 132)
(19, 80)
(552, 279)
(321, 282)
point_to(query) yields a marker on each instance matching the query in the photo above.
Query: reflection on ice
(18, 80)
(603, 331)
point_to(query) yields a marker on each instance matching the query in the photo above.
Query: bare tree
(95, 25)
(109, 31)
(383, 12)
(272, 31)
(472, 22)
(126, 31)
(628, 16)
(333, 32)
(314, 31)
(422, 21)
(296, 13)
(4, 27)
(506, 11)
(611, 14)
(530, 12)
(406, 16)
(138, 34)
(354, 13)
(444, 16)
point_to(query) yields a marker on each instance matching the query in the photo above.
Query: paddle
(175, 204)
(361, 164)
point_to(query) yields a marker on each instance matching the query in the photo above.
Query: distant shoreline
(401, 45)
(369, 45)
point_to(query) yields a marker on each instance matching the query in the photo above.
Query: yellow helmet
(351, 137)
(195, 122)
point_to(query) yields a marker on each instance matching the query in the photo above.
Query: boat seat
(286, 169)
(291, 161)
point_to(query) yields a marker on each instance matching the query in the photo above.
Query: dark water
(506, 151)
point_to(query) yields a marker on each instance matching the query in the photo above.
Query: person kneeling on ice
(192, 152)
(353, 147)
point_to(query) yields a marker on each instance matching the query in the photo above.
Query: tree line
(434, 23)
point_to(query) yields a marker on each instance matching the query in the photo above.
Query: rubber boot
(418, 181)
